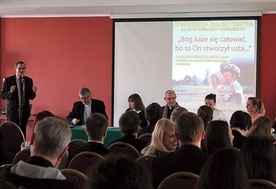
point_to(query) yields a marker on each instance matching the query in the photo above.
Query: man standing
(19, 90)
(170, 99)
(82, 109)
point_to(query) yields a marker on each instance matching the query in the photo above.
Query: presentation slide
(193, 58)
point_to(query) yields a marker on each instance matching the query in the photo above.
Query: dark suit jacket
(90, 146)
(130, 139)
(188, 158)
(238, 139)
(148, 129)
(78, 110)
(12, 98)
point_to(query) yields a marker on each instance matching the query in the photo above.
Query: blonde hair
(157, 136)
(259, 103)
(261, 127)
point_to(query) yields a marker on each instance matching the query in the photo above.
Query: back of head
(240, 119)
(223, 170)
(153, 112)
(206, 113)
(158, 133)
(41, 115)
(189, 127)
(259, 156)
(217, 136)
(177, 111)
(262, 127)
(96, 125)
(51, 136)
(129, 122)
(118, 172)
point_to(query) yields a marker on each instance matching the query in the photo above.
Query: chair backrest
(179, 180)
(124, 148)
(76, 143)
(76, 176)
(146, 161)
(145, 137)
(6, 166)
(261, 184)
(12, 136)
(22, 155)
(85, 161)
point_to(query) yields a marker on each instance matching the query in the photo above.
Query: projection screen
(187, 56)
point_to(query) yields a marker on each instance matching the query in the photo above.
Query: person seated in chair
(128, 124)
(96, 130)
(50, 143)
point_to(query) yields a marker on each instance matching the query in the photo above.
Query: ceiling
(75, 8)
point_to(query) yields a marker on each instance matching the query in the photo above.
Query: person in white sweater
(210, 100)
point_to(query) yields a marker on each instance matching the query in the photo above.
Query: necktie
(22, 91)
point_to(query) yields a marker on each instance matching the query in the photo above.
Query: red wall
(65, 54)
(62, 56)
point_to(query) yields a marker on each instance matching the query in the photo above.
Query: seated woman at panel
(206, 113)
(163, 138)
(210, 100)
(259, 156)
(136, 104)
(262, 126)
(240, 123)
(255, 108)
(40, 116)
(223, 170)
(218, 135)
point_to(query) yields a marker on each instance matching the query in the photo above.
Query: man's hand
(75, 121)
(12, 89)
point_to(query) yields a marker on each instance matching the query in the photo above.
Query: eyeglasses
(169, 99)
(84, 98)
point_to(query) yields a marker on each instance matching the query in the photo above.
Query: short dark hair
(129, 122)
(20, 62)
(189, 127)
(96, 125)
(211, 96)
(119, 172)
(240, 119)
(153, 113)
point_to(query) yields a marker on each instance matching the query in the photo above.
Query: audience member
(154, 112)
(170, 99)
(83, 108)
(223, 170)
(136, 104)
(218, 135)
(163, 138)
(240, 123)
(189, 129)
(210, 100)
(206, 113)
(259, 156)
(128, 124)
(18, 89)
(255, 107)
(118, 172)
(49, 145)
(39, 116)
(3, 154)
(262, 126)
(177, 111)
(96, 130)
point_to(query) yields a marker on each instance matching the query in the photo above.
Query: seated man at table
(128, 124)
(96, 130)
(189, 128)
(50, 143)
(83, 108)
